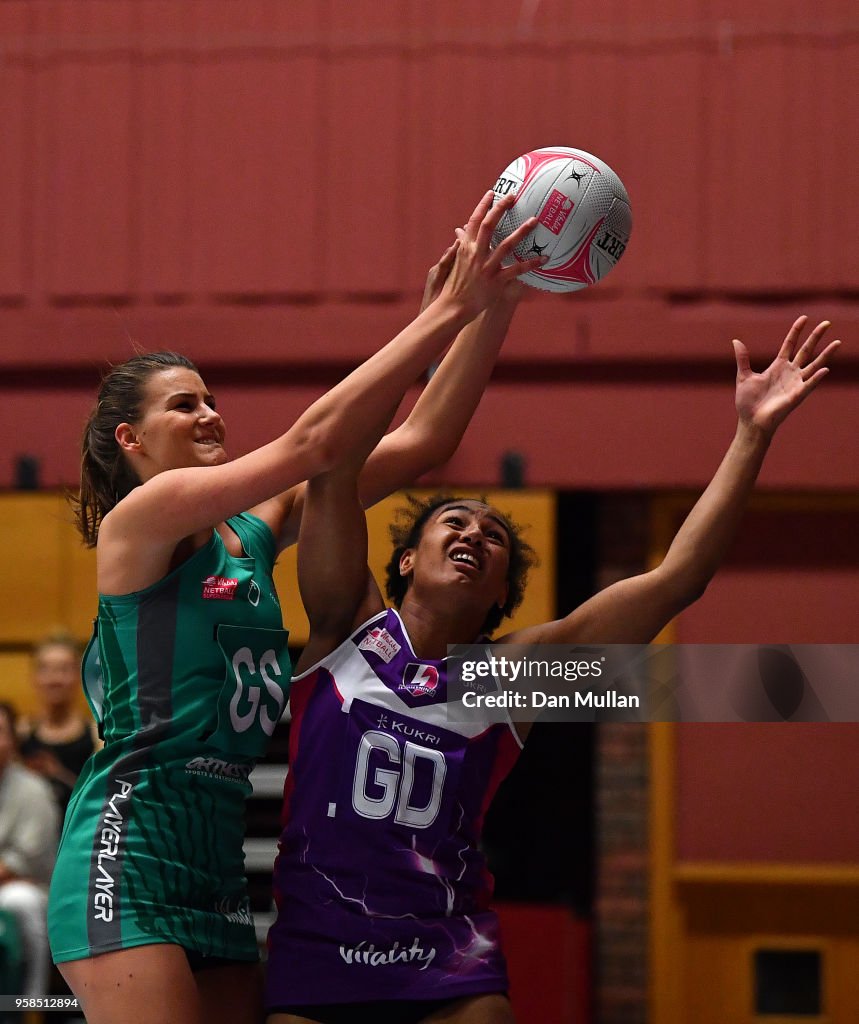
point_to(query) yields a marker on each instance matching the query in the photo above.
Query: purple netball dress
(381, 890)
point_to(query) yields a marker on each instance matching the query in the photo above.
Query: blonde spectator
(57, 741)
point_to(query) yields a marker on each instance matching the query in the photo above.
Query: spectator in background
(29, 828)
(58, 740)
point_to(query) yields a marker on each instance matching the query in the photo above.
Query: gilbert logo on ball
(583, 213)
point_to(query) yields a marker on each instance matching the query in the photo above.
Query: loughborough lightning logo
(420, 680)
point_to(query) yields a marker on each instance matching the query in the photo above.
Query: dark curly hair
(406, 531)
(106, 477)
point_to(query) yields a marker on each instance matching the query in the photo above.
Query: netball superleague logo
(420, 680)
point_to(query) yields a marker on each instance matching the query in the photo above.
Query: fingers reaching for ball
(810, 363)
(472, 227)
(478, 275)
(481, 228)
(507, 248)
(482, 224)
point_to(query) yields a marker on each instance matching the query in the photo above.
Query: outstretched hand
(510, 294)
(478, 275)
(765, 399)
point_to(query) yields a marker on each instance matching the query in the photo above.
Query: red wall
(548, 954)
(264, 184)
(783, 791)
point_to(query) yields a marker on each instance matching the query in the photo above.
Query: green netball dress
(187, 679)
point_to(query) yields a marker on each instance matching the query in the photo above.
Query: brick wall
(621, 903)
(621, 911)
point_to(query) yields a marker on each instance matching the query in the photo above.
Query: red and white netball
(583, 212)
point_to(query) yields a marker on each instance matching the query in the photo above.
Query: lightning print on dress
(479, 948)
(362, 902)
(376, 896)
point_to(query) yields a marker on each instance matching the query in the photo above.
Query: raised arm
(435, 426)
(635, 610)
(432, 432)
(179, 502)
(337, 589)
(336, 586)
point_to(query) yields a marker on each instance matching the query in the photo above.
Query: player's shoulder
(371, 635)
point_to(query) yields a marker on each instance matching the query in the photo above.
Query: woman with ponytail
(188, 670)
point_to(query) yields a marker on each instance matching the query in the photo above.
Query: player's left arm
(635, 610)
(435, 426)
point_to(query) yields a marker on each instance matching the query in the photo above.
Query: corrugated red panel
(668, 144)
(15, 149)
(256, 131)
(811, 561)
(26, 421)
(88, 138)
(748, 176)
(804, 168)
(592, 86)
(591, 103)
(836, 87)
(590, 435)
(161, 141)
(448, 169)
(801, 810)
(551, 335)
(606, 435)
(235, 152)
(465, 124)
(363, 192)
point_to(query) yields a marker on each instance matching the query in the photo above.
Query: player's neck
(432, 631)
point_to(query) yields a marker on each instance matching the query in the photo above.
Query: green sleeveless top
(187, 680)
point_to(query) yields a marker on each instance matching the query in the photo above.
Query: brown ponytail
(106, 477)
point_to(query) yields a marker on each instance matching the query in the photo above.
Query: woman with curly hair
(382, 891)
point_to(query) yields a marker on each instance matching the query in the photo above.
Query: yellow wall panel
(49, 578)
(15, 686)
(78, 594)
(34, 525)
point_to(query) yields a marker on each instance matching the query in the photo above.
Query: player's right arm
(435, 426)
(177, 503)
(336, 586)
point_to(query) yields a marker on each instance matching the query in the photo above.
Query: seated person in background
(58, 740)
(29, 831)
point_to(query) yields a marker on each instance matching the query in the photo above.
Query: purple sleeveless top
(381, 890)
